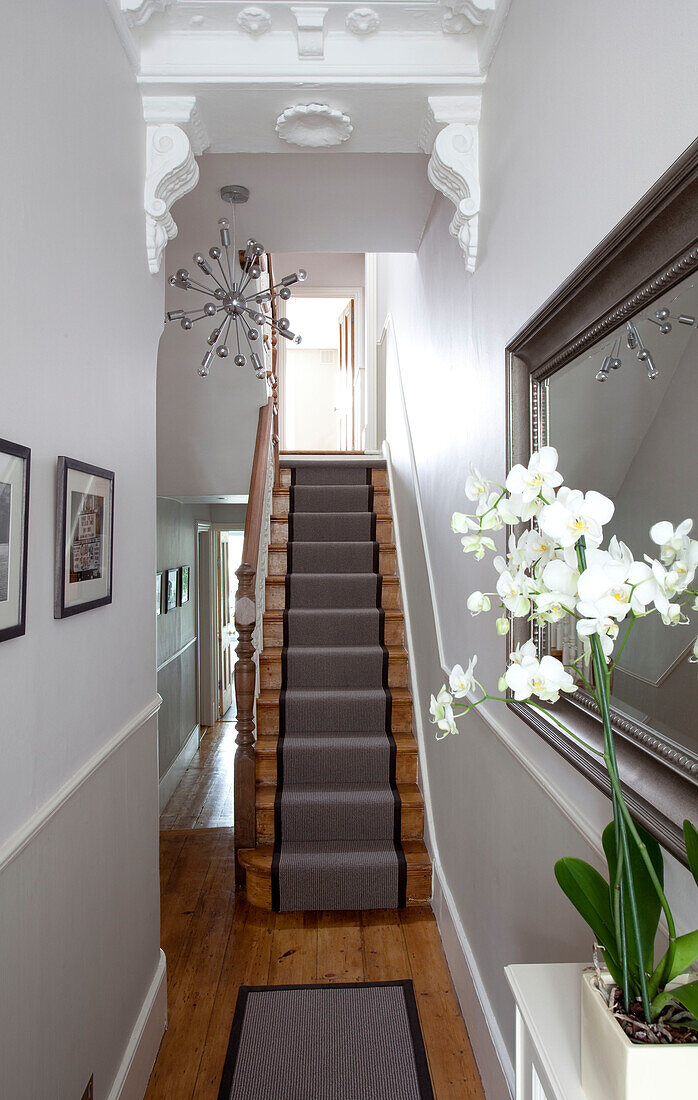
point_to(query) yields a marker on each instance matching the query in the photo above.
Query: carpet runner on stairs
(337, 807)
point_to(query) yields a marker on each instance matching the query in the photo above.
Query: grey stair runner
(337, 808)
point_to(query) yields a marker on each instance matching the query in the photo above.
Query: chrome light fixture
(634, 342)
(231, 292)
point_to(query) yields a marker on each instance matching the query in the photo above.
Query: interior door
(225, 629)
(347, 379)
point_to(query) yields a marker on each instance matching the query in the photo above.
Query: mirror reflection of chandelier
(239, 308)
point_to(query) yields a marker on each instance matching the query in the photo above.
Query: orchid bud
(502, 625)
(502, 683)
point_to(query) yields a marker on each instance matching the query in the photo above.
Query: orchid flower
(477, 544)
(671, 540)
(441, 711)
(574, 515)
(606, 628)
(463, 682)
(476, 487)
(512, 589)
(539, 477)
(545, 678)
(478, 602)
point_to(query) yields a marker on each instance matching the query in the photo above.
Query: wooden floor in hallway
(215, 942)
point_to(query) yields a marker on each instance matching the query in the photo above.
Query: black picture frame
(183, 590)
(158, 593)
(66, 466)
(18, 628)
(171, 591)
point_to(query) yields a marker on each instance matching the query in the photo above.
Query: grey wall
(570, 139)
(78, 783)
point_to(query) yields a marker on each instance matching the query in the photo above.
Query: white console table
(547, 999)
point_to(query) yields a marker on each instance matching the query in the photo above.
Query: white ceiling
(319, 202)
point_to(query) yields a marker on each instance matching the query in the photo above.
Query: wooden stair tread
(267, 744)
(410, 795)
(260, 859)
(276, 614)
(278, 578)
(284, 546)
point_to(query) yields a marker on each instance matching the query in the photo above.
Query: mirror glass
(623, 419)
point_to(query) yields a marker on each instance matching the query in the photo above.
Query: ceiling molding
(450, 135)
(175, 135)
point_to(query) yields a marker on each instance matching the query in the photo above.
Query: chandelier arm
(225, 277)
(228, 323)
(200, 288)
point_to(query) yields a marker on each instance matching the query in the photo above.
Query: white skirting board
(137, 1063)
(489, 1048)
(170, 780)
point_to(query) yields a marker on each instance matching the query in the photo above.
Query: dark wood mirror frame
(654, 247)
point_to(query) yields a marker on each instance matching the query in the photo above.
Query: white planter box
(613, 1068)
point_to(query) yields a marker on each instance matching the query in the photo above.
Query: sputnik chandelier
(232, 292)
(664, 320)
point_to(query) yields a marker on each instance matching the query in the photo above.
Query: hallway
(215, 942)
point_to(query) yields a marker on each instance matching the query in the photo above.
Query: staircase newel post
(245, 681)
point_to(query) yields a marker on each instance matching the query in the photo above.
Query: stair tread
(277, 613)
(260, 859)
(273, 653)
(410, 794)
(270, 696)
(338, 542)
(267, 744)
(276, 578)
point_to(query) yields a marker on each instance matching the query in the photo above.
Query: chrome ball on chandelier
(232, 293)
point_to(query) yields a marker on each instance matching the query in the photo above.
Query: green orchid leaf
(590, 895)
(687, 995)
(648, 902)
(686, 953)
(690, 835)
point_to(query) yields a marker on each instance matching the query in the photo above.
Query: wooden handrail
(247, 613)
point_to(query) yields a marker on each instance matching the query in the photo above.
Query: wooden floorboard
(215, 942)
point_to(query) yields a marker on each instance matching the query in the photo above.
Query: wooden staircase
(257, 862)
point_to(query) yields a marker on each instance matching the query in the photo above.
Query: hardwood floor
(204, 798)
(215, 942)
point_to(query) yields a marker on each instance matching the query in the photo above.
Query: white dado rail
(548, 1012)
(450, 136)
(175, 135)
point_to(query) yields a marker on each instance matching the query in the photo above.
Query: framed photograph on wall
(172, 576)
(14, 531)
(158, 593)
(184, 585)
(84, 537)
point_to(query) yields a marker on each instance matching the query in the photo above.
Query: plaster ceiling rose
(313, 125)
(254, 21)
(363, 21)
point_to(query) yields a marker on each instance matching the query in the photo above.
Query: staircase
(339, 815)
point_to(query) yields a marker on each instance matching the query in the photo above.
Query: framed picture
(14, 532)
(172, 576)
(84, 537)
(184, 585)
(158, 593)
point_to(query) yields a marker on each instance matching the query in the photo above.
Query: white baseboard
(170, 780)
(489, 1048)
(137, 1063)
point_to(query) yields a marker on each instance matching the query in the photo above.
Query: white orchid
(462, 523)
(513, 591)
(671, 540)
(514, 509)
(478, 602)
(477, 544)
(441, 710)
(606, 628)
(551, 607)
(574, 514)
(502, 625)
(536, 479)
(693, 659)
(538, 548)
(488, 513)
(475, 486)
(463, 682)
(545, 678)
(523, 652)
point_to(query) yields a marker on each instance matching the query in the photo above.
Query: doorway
(228, 557)
(322, 381)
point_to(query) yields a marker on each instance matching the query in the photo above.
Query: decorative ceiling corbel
(450, 137)
(175, 135)
(310, 21)
(137, 12)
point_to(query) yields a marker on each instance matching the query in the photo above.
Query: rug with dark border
(359, 1041)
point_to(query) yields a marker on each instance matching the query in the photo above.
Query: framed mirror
(607, 372)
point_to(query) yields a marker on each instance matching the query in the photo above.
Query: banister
(249, 608)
